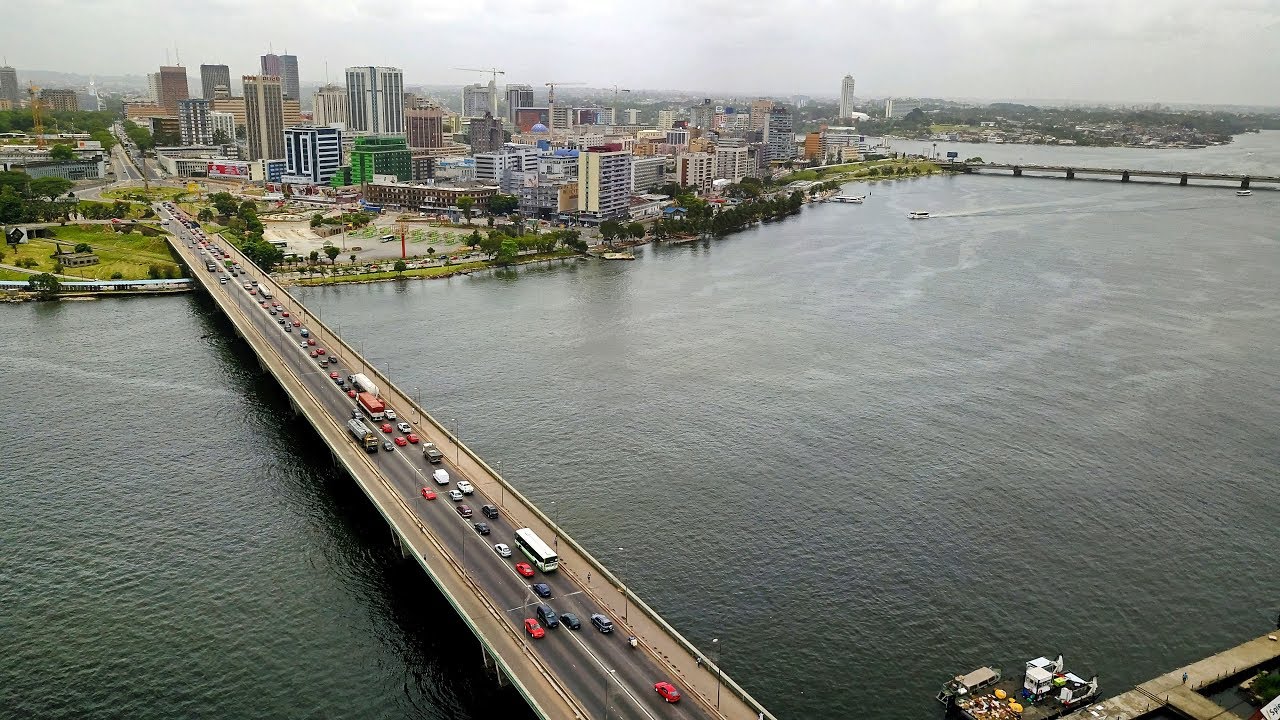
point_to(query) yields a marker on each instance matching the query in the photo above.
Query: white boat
(855, 199)
(1244, 193)
(917, 215)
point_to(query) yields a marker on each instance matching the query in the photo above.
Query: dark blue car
(542, 589)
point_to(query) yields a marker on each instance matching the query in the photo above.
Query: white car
(502, 549)
(404, 428)
(465, 487)
(455, 496)
(391, 415)
(441, 476)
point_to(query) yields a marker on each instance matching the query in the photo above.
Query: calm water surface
(865, 453)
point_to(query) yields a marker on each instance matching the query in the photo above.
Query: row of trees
(97, 124)
(611, 230)
(243, 225)
(139, 135)
(27, 199)
(505, 244)
(701, 218)
(351, 219)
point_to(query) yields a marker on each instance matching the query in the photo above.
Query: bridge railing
(728, 683)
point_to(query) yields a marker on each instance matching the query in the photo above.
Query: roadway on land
(596, 668)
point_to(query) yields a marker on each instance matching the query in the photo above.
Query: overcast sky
(1209, 51)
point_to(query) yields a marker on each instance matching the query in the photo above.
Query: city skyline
(1177, 52)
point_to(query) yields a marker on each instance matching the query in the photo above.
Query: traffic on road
(515, 567)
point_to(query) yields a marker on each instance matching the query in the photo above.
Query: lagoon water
(863, 452)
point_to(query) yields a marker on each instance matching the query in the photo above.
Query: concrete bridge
(1070, 173)
(566, 674)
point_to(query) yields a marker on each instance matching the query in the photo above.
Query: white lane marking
(611, 675)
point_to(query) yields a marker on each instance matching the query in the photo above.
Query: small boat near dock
(618, 256)
(1045, 690)
(853, 199)
(917, 215)
(1244, 193)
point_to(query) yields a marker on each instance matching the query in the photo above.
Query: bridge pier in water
(1183, 180)
(1071, 174)
(1244, 183)
(1125, 176)
(1017, 172)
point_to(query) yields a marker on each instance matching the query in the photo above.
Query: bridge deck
(1178, 174)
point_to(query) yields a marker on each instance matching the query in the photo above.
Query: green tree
(317, 220)
(501, 204)
(11, 208)
(635, 230)
(44, 285)
(19, 182)
(314, 257)
(352, 258)
(220, 137)
(62, 151)
(247, 209)
(117, 275)
(491, 244)
(400, 266)
(155, 272)
(84, 247)
(332, 252)
(51, 186)
(466, 203)
(205, 215)
(431, 253)
(105, 137)
(508, 251)
(474, 239)
(609, 230)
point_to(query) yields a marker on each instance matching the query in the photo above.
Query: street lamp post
(715, 645)
(555, 526)
(608, 680)
(457, 441)
(623, 589)
(502, 490)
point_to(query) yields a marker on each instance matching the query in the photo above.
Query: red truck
(372, 406)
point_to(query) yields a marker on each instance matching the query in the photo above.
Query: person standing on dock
(1184, 678)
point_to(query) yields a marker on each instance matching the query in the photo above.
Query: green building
(380, 156)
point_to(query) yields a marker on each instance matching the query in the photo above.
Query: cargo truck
(432, 453)
(362, 383)
(363, 435)
(372, 406)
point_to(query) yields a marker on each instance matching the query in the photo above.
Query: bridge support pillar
(1244, 183)
(1071, 174)
(1017, 172)
(1182, 181)
(1125, 176)
(395, 540)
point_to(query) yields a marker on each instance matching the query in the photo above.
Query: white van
(441, 476)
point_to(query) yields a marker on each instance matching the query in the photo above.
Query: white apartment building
(604, 184)
(846, 97)
(731, 162)
(696, 170)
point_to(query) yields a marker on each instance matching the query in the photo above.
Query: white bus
(537, 551)
(264, 292)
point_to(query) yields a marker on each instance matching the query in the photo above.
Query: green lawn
(7, 274)
(130, 255)
(138, 194)
(431, 271)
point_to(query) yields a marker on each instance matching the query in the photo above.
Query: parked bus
(538, 552)
(264, 292)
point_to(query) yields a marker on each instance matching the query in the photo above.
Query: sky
(1142, 51)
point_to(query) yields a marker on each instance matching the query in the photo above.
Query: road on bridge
(607, 676)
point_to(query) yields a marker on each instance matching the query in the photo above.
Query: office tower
(888, 108)
(696, 170)
(731, 162)
(518, 96)
(264, 117)
(222, 127)
(760, 113)
(779, 135)
(173, 87)
(284, 67)
(475, 100)
(702, 115)
(195, 127)
(59, 100)
(846, 97)
(330, 106)
(604, 182)
(666, 118)
(211, 77)
(232, 106)
(631, 116)
(153, 87)
(9, 85)
(424, 128)
(312, 154)
(375, 100)
(380, 156)
(485, 133)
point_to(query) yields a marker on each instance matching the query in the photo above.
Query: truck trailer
(362, 384)
(363, 435)
(372, 406)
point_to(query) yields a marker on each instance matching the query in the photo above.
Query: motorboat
(855, 199)
(1244, 193)
(917, 215)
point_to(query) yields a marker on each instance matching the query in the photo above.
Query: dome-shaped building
(539, 128)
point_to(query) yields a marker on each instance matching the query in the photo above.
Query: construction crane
(37, 125)
(551, 101)
(617, 90)
(493, 86)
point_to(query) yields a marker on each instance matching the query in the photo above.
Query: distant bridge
(1183, 177)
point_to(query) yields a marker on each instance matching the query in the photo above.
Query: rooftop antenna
(166, 56)
(326, 72)
(177, 55)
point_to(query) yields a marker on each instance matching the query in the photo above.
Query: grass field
(7, 274)
(130, 255)
(142, 195)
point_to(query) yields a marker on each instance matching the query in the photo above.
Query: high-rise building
(760, 113)
(264, 117)
(173, 87)
(195, 127)
(646, 173)
(631, 116)
(604, 182)
(486, 134)
(284, 67)
(846, 97)
(222, 126)
(702, 115)
(677, 136)
(518, 96)
(9, 85)
(375, 100)
(731, 162)
(59, 100)
(888, 108)
(696, 170)
(212, 76)
(312, 154)
(380, 156)
(233, 106)
(424, 128)
(292, 112)
(153, 87)
(329, 106)
(779, 135)
(476, 100)
(666, 118)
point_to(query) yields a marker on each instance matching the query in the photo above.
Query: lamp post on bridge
(457, 441)
(623, 589)
(555, 526)
(608, 680)
(502, 490)
(715, 645)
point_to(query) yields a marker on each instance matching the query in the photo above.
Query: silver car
(502, 549)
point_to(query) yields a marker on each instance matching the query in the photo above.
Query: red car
(524, 569)
(284, 313)
(334, 376)
(401, 441)
(313, 353)
(667, 691)
(351, 393)
(532, 627)
(296, 323)
(411, 438)
(311, 341)
(319, 351)
(428, 493)
(386, 427)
